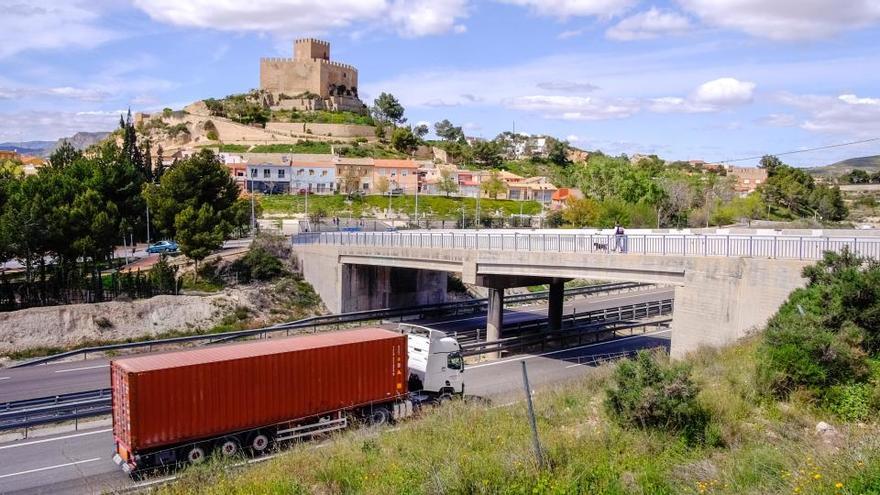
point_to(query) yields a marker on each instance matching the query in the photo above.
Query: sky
(685, 79)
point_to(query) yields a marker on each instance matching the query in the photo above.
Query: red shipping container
(170, 398)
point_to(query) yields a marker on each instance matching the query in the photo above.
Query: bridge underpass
(725, 286)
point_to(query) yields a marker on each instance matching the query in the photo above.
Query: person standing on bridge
(619, 238)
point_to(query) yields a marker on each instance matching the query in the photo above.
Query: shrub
(258, 264)
(645, 394)
(163, 277)
(850, 402)
(825, 333)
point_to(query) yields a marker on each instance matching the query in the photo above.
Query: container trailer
(181, 407)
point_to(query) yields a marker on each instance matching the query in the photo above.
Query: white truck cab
(436, 366)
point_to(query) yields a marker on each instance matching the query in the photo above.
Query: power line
(840, 145)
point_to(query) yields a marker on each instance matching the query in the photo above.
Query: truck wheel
(379, 417)
(259, 443)
(228, 447)
(195, 454)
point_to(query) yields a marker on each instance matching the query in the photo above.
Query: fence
(778, 247)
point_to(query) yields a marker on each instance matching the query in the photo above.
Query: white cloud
(410, 18)
(676, 104)
(67, 92)
(49, 24)
(574, 8)
(725, 91)
(787, 19)
(845, 114)
(572, 33)
(568, 86)
(780, 120)
(34, 125)
(710, 96)
(572, 138)
(650, 24)
(574, 107)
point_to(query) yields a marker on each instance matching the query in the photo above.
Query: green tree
(194, 182)
(605, 177)
(240, 215)
(447, 183)
(64, 156)
(200, 231)
(770, 163)
(448, 132)
(557, 151)
(582, 212)
(403, 140)
(494, 186)
(386, 108)
(421, 131)
(487, 154)
(382, 185)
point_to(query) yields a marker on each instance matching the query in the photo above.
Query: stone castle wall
(329, 130)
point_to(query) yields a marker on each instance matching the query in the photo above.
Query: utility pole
(148, 225)
(536, 443)
(253, 207)
(477, 216)
(417, 203)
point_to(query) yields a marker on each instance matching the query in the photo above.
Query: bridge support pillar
(556, 300)
(495, 315)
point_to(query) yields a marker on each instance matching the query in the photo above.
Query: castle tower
(309, 49)
(310, 70)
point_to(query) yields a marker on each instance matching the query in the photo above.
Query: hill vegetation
(711, 424)
(867, 163)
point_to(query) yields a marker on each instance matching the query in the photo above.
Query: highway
(78, 462)
(92, 374)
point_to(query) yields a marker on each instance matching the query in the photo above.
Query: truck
(180, 407)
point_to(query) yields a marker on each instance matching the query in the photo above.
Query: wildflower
(838, 485)
(817, 476)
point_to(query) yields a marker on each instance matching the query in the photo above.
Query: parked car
(162, 247)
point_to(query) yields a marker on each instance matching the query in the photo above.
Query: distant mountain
(28, 147)
(80, 141)
(866, 163)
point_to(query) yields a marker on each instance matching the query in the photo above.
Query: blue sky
(686, 79)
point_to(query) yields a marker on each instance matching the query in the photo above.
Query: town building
(533, 188)
(358, 170)
(401, 174)
(9, 155)
(747, 179)
(563, 195)
(314, 177)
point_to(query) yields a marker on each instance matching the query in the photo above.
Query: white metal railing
(748, 246)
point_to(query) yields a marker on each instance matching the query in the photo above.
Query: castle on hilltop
(309, 71)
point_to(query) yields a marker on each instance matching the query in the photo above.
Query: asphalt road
(93, 374)
(80, 462)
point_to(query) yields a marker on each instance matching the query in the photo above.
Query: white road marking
(56, 438)
(47, 468)
(516, 359)
(5, 377)
(83, 368)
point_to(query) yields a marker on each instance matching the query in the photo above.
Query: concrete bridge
(725, 284)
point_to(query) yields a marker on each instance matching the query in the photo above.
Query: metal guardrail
(54, 409)
(747, 246)
(317, 321)
(73, 407)
(589, 325)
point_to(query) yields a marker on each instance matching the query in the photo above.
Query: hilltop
(866, 163)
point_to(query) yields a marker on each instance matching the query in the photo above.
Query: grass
(471, 448)
(321, 117)
(313, 147)
(439, 207)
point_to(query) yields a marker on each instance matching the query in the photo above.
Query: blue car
(162, 247)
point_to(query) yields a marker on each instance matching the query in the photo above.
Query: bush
(825, 333)
(258, 264)
(850, 402)
(645, 394)
(164, 277)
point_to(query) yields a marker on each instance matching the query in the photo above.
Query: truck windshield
(455, 362)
